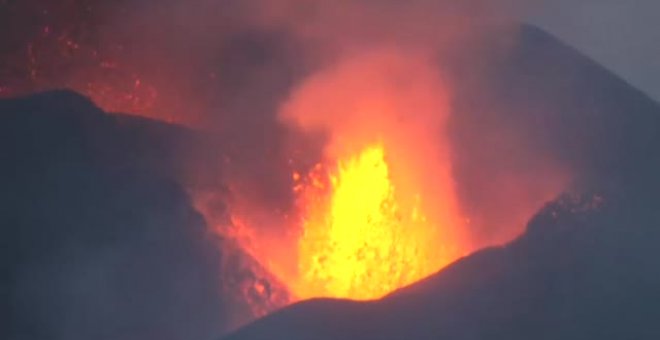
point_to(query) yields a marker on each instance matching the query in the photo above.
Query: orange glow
(360, 240)
(379, 211)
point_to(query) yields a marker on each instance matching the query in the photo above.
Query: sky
(623, 35)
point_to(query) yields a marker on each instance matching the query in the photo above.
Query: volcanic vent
(379, 210)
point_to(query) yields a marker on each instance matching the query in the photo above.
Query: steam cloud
(262, 52)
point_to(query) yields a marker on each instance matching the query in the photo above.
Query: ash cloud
(518, 135)
(262, 52)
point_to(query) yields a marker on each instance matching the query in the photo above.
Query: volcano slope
(587, 265)
(582, 270)
(99, 239)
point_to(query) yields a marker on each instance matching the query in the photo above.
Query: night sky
(621, 34)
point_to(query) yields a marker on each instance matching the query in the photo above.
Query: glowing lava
(379, 211)
(360, 240)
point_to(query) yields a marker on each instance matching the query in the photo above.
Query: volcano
(585, 266)
(104, 237)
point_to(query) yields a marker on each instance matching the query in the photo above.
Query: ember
(62, 48)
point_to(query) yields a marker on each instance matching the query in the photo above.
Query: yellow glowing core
(361, 239)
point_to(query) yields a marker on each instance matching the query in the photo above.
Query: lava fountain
(361, 239)
(379, 211)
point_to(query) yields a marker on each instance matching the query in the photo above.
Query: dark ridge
(98, 237)
(65, 101)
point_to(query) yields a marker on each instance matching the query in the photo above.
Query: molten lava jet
(360, 240)
(358, 233)
(379, 210)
